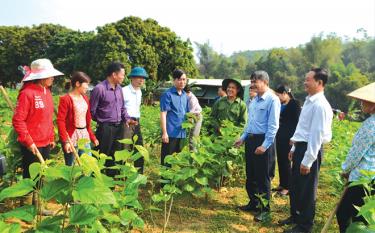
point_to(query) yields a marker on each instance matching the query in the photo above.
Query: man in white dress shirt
(313, 130)
(133, 97)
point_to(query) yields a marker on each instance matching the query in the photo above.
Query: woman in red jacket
(33, 116)
(74, 117)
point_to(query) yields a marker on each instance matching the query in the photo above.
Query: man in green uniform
(230, 107)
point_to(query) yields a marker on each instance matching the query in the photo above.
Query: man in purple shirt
(108, 110)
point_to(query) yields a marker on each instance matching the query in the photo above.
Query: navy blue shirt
(176, 107)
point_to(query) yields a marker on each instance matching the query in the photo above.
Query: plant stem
(169, 214)
(64, 217)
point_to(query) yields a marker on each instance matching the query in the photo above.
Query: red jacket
(66, 118)
(33, 117)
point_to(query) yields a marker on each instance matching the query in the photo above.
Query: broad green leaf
(34, 170)
(112, 218)
(202, 180)
(90, 190)
(50, 225)
(188, 187)
(135, 138)
(90, 164)
(187, 125)
(82, 214)
(358, 227)
(127, 216)
(143, 151)
(53, 188)
(98, 227)
(138, 223)
(159, 197)
(26, 213)
(9, 228)
(64, 172)
(198, 158)
(17, 190)
(122, 155)
(126, 141)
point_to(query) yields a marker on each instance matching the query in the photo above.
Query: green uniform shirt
(234, 111)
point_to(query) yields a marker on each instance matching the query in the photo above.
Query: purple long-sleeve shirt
(107, 103)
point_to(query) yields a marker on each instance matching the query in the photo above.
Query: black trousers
(272, 166)
(28, 158)
(303, 189)
(107, 135)
(129, 132)
(174, 146)
(346, 212)
(258, 179)
(285, 166)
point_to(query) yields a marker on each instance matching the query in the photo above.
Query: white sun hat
(40, 69)
(366, 93)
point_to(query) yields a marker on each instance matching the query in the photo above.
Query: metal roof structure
(213, 82)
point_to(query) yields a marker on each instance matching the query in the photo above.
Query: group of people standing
(115, 109)
(270, 119)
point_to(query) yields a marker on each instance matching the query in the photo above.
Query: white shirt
(314, 126)
(194, 106)
(132, 99)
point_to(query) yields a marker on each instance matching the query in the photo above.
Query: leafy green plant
(90, 200)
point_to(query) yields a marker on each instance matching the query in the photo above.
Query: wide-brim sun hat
(366, 93)
(40, 69)
(138, 72)
(226, 82)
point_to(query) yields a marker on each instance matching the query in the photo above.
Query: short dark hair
(320, 74)
(77, 76)
(114, 67)
(177, 73)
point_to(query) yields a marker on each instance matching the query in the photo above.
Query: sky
(229, 26)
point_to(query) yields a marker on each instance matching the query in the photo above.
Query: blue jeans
(69, 157)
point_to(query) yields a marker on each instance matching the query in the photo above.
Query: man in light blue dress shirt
(258, 136)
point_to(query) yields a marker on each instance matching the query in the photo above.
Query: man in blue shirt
(173, 108)
(258, 136)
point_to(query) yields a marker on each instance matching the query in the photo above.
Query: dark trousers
(129, 132)
(174, 146)
(28, 158)
(272, 166)
(107, 135)
(346, 212)
(258, 179)
(285, 166)
(303, 189)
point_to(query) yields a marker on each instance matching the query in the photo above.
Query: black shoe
(296, 229)
(249, 208)
(288, 221)
(263, 216)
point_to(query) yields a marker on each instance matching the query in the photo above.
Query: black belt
(115, 124)
(252, 135)
(81, 127)
(300, 143)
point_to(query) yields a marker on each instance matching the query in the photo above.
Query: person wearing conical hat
(33, 116)
(361, 156)
(132, 98)
(230, 107)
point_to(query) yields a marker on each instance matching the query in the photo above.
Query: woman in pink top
(74, 117)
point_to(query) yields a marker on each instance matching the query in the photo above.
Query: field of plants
(191, 196)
